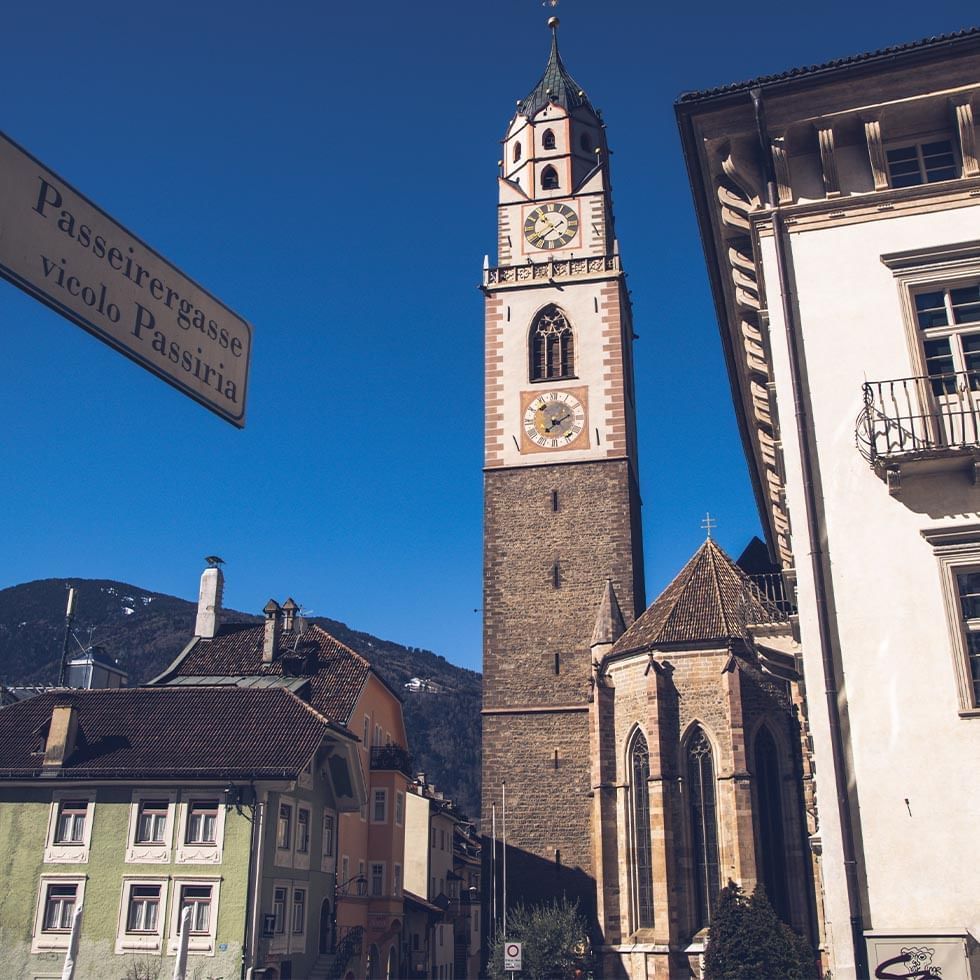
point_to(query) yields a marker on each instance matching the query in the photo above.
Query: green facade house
(138, 803)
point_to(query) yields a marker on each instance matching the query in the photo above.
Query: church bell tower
(562, 506)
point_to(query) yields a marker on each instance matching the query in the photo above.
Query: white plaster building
(840, 211)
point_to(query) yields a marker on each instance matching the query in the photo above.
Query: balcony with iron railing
(391, 757)
(920, 425)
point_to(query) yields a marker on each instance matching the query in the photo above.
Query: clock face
(551, 226)
(554, 419)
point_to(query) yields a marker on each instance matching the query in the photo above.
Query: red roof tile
(336, 680)
(710, 600)
(159, 732)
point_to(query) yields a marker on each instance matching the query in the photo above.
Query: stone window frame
(638, 912)
(199, 943)
(69, 852)
(301, 858)
(699, 727)
(957, 549)
(537, 355)
(379, 799)
(150, 852)
(141, 942)
(200, 852)
(46, 941)
(328, 842)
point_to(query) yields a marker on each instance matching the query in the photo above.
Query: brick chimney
(209, 600)
(270, 641)
(289, 608)
(61, 736)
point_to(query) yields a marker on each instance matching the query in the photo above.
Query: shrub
(747, 941)
(555, 942)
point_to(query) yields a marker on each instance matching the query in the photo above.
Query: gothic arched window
(704, 825)
(772, 843)
(641, 864)
(548, 140)
(549, 179)
(517, 152)
(552, 346)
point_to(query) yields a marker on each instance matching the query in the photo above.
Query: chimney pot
(289, 609)
(209, 603)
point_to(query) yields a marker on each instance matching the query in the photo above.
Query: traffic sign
(62, 249)
(513, 953)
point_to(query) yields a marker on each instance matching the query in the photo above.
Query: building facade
(838, 206)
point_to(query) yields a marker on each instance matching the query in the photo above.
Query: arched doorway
(372, 966)
(326, 927)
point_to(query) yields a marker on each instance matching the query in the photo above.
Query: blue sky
(329, 172)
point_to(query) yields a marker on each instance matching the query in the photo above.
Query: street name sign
(62, 249)
(512, 956)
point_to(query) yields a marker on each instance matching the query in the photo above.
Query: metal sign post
(62, 249)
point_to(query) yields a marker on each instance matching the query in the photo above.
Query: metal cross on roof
(708, 523)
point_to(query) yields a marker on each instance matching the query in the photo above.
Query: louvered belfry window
(704, 825)
(552, 346)
(639, 760)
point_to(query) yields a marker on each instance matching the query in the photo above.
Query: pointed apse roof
(609, 624)
(710, 600)
(556, 86)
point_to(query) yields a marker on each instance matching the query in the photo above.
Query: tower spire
(557, 86)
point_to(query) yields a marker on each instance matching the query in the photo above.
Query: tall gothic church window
(772, 849)
(552, 346)
(642, 864)
(704, 825)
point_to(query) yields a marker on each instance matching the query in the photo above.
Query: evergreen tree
(555, 942)
(747, 941)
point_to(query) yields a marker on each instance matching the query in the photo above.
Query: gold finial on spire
(553, 22)
(708, 523)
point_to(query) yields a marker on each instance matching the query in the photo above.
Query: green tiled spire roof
(556, 86)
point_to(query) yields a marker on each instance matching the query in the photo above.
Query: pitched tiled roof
(336, 677)
(710, 600)
(161, 732)
(882, 54)
(556, 87)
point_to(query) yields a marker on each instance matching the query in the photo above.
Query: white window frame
(203, 944)
(372, 878)
(379, 794)
(200, 852)
(46, 942)
(284, 853)
(151, 852)
(916, 141)
(68, 852)
(288, 942)
(396, 880)
(328, 843)
(957, 550)
(362, 882)
(301, 859)
(294, 935)
(143, 942)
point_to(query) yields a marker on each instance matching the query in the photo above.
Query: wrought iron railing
(772, 587)
(550, 269)
(391, 757)
(918, 415)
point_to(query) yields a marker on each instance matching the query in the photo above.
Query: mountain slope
(145, 630)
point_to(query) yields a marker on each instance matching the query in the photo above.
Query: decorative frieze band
(528, 272)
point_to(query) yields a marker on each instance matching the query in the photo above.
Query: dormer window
(517, 152)
(549, 179)
(921, 163)
(548, 140)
